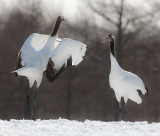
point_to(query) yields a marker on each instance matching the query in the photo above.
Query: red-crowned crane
(125, 84)
(47, 53)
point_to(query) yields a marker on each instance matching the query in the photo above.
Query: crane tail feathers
(146, 91)
(139, 92)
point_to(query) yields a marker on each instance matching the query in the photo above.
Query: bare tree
(127, 20)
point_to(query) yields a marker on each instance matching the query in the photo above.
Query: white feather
(34, 55)
(35, 45)
(66, 48)
(125, 84)
(37, 50)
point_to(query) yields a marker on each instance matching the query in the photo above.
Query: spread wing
(31, 47)
(69, 52)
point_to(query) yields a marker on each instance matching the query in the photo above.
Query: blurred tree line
(83, 92)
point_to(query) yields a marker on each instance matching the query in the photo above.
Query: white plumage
(47, 53)
(125, 84)
(35, 56)
(68, 48)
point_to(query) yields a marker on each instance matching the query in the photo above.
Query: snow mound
(63, 127)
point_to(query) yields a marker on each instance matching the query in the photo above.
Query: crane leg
(120, 111)
(125, 112)
(27, 104)
(35, 99)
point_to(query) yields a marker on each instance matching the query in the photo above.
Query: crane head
(61, 18)
(110, 37)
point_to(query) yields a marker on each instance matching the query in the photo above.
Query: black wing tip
(147, 91)
(52, 73)
(69, 61)
(18, 64)
(16, 74)
(50, 78)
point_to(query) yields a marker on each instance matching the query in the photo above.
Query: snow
(64, 127)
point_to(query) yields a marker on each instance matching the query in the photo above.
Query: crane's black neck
(56, 28)
(112, 48)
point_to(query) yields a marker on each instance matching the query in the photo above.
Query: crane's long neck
(112, 47)
(50, 45)
(56, 28)
(114, 64)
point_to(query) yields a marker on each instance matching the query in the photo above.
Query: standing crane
(47, 53)
(125, 84)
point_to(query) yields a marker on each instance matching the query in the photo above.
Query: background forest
(83, 92)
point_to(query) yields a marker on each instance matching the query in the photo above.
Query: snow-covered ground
(63, 127)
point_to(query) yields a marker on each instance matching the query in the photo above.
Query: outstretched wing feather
(67, 53)
(30, 48)
(52, 73)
